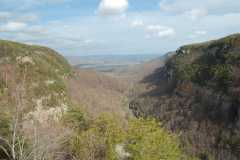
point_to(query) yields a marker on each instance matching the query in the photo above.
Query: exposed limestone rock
(49, 82)
(121, 152)
(25, 60)
(43, 116)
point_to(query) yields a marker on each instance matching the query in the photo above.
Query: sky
(94, 27)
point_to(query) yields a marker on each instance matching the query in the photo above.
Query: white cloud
(201, 32)
(213, 6)
(137, 23)
(112, 7)
(197, 13)
(13, 27)
(165, 6)
(197, 33)
(159, 31)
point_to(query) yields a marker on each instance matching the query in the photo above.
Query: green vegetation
(146, 140)
(76, 119)
(215, 76)
(222, 75)
(233, 142)
(2, 86)
(5, 120)
(188, 72)
(101, 139)
(208, 64)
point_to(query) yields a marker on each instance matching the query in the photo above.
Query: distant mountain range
(109, 63)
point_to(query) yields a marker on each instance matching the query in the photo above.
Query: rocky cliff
(33, 74)
(33, 94)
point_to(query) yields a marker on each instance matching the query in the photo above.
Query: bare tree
(14, 146)
(17, 146)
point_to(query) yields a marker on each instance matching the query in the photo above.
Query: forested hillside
(196, 94)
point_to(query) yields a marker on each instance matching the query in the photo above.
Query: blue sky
(89, 27)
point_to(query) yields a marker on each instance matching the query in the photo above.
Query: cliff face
(197, 94)
(32, 83)
(33, 93)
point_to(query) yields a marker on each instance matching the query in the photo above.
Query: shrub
(76, 119)
(146, 140)
(99, 140)
(188, 72)
(4, 124)
(222, 76)
(143, 139)
(3, 85)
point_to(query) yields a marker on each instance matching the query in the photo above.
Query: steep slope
(196, 94)
(144, 69)
(33, 96)
(35, 73)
